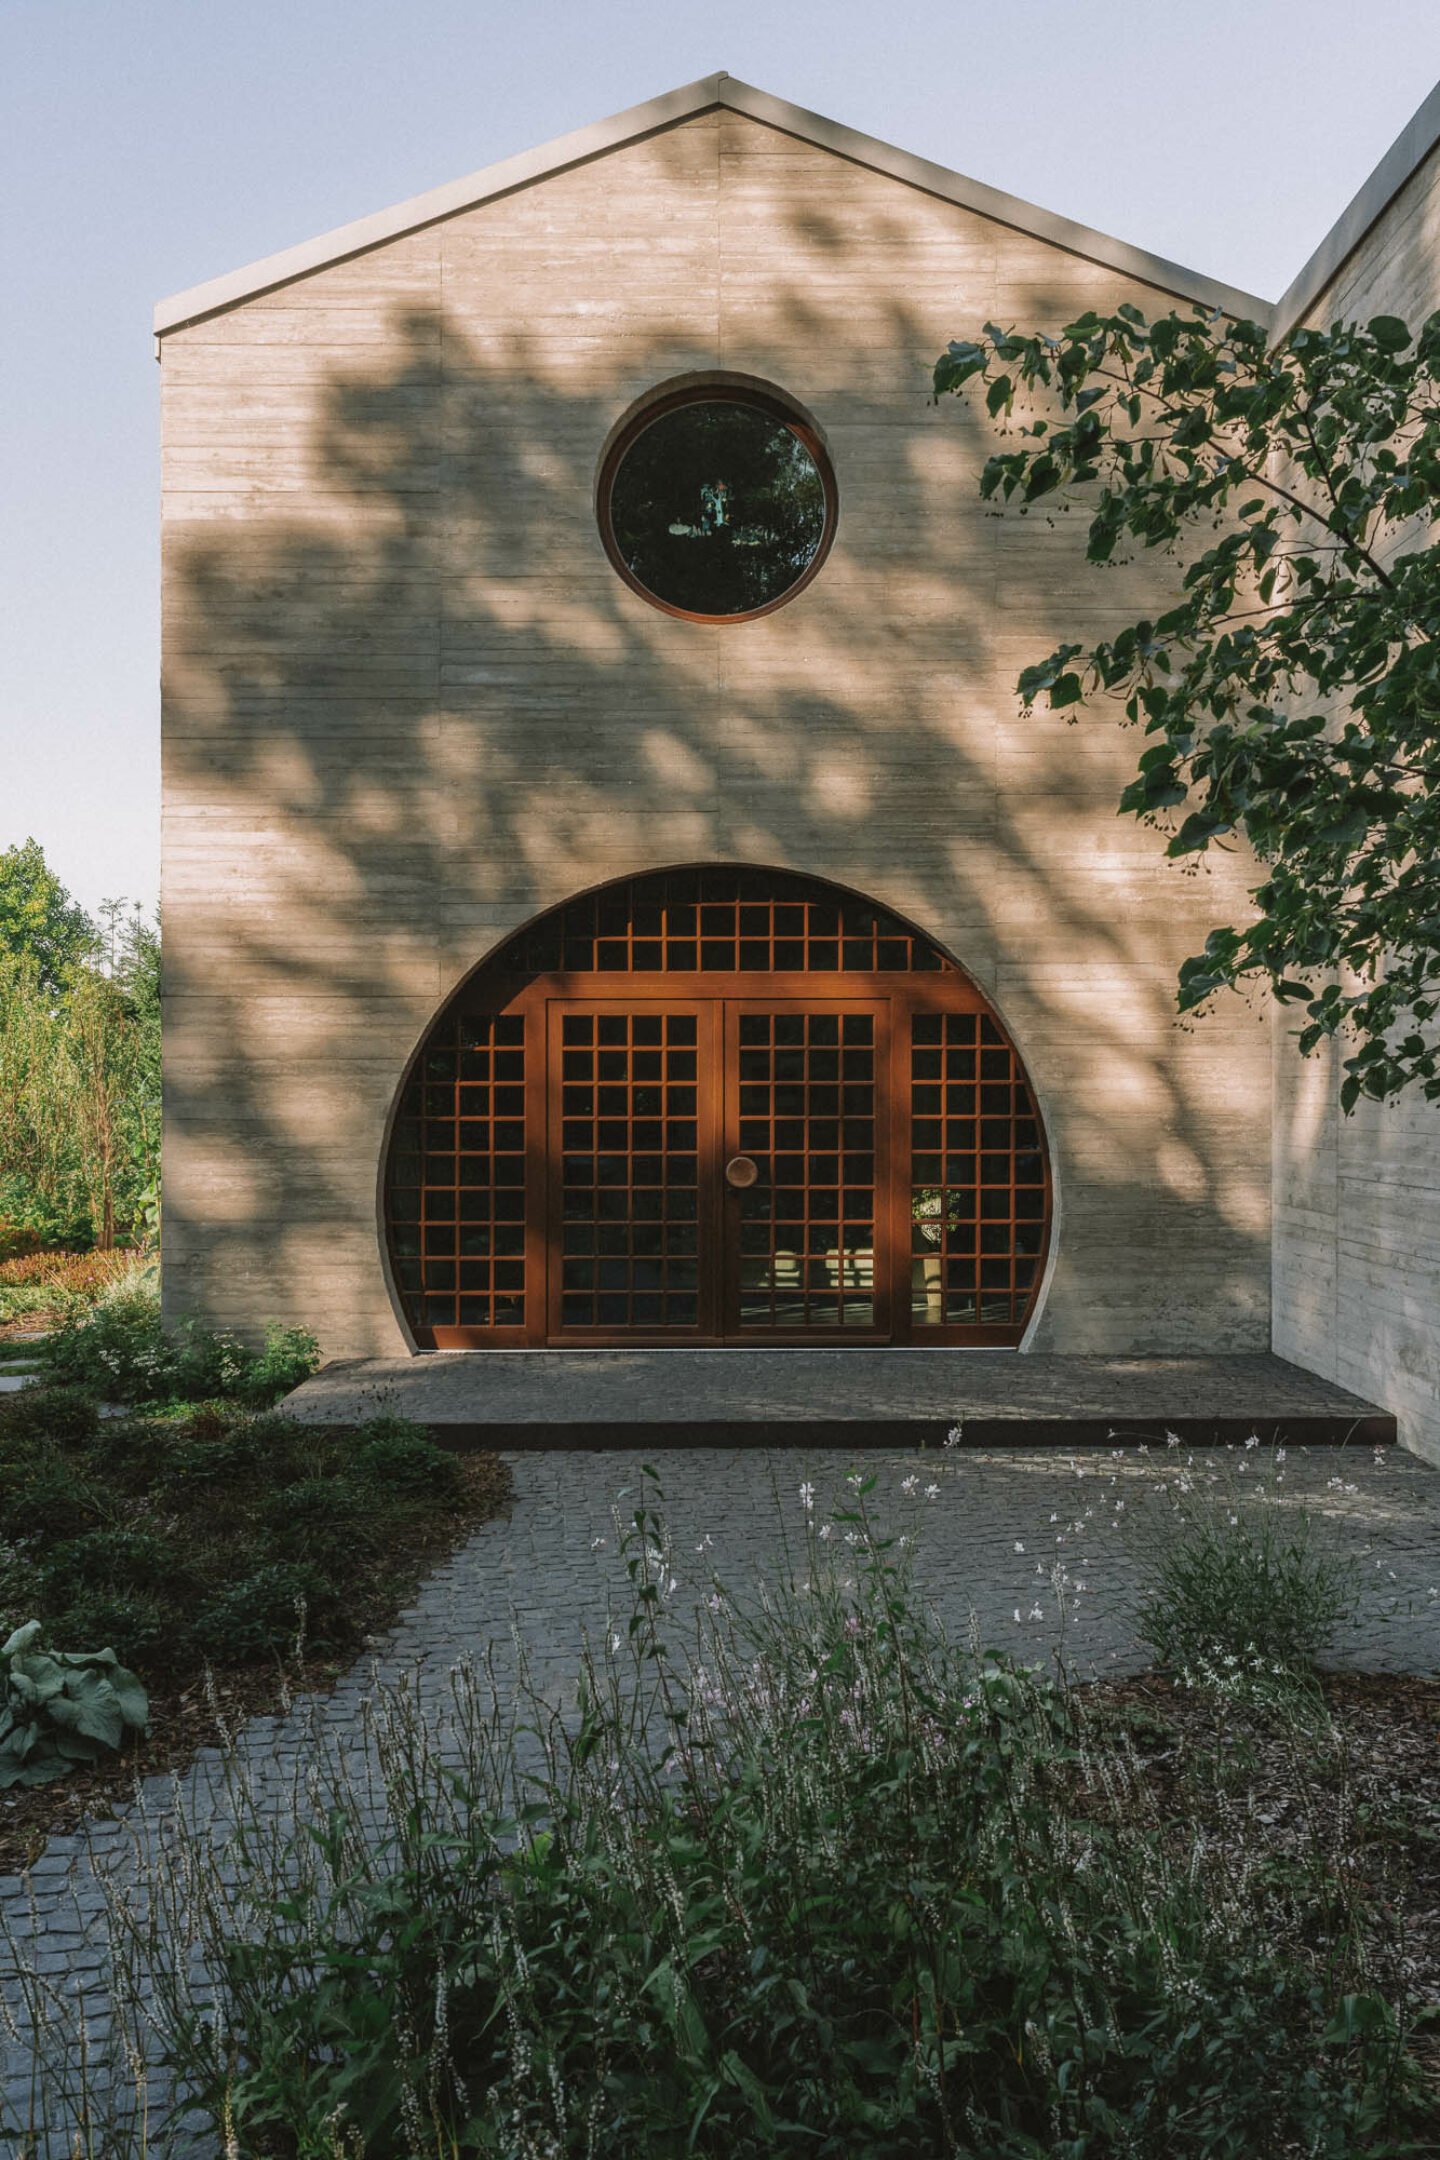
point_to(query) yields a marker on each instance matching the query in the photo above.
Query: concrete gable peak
(673, 107)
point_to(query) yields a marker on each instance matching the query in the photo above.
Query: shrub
(65, 1415)
(116, 1349)
(136, 1624)
(290, 1355)
(117, 1558)
(59, 1708)
(832, 1887)
(119, 1348)
(49, 1498)
(392, 1455)
(261, 1614)
(319, 1520)
(1238, 1581)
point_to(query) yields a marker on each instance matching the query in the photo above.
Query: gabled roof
(665, 111)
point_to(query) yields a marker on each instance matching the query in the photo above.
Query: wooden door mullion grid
(632, 1132)
(471, 1183)
(784, 1061)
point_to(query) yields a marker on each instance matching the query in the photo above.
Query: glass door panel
(804, 1109)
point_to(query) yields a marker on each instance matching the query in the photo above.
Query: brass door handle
(741, 1171)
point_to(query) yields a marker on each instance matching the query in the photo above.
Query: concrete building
(610, 890)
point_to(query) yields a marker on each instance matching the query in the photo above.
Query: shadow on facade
(419, 708)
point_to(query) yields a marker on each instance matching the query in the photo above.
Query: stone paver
(987, 1544)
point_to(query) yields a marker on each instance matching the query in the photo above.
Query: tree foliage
(39, 919)
(1292, 692)
(79, 1062)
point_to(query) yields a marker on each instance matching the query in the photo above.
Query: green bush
(395, 1456)
(137, 1625)
(321, 1521)
(120, 1559)
(189, 1537)
(119, 1349)
(64, 1415)
(60, 1708)
(264, 1613)
(1237, 1581)
(47, 1500)
(116, 1349)
(827, 1887)
(290, 1355)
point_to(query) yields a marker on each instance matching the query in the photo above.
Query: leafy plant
(393, 1455)
(290, 1355)
(1292, 692)
(1239, 1583)
(56, 1413)
(260, 1614)
(60, 1708)
(120, 1348)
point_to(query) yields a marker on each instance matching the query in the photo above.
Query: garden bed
(227, 1555)
(1208, 1767)
(194, 1706)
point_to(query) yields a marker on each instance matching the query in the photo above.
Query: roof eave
(665, 111)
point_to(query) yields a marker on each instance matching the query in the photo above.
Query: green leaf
(1360, 2017)
(1198, 830)
(1066, 691)
(1389, 333)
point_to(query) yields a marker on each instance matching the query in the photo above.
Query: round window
(717, 504)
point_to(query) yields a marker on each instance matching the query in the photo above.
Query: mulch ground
(1377, 1796)
(195, 1709)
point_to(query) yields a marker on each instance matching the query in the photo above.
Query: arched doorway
(717, 1105)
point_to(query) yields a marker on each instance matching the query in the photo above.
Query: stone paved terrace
(538, 1580)
(836, 1398)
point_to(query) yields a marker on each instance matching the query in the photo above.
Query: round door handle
(741, 1171)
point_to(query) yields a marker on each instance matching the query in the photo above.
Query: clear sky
(148, 144)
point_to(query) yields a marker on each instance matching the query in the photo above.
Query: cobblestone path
(986, 1543)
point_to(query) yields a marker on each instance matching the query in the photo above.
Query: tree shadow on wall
(417, 707)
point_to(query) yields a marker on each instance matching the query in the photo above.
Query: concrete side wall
(1357, 1199)
(408, 704)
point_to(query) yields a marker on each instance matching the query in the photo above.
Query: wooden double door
(720, 1170)
(652, 1140)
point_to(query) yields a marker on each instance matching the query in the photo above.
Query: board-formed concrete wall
(408, 704)
(1357, 1199)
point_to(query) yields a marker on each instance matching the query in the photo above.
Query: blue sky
(148, 144)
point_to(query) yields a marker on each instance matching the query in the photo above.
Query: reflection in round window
(717, 505)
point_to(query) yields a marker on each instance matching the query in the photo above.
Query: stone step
(902, 1398)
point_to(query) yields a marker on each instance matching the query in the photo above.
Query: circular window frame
(775, 407)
